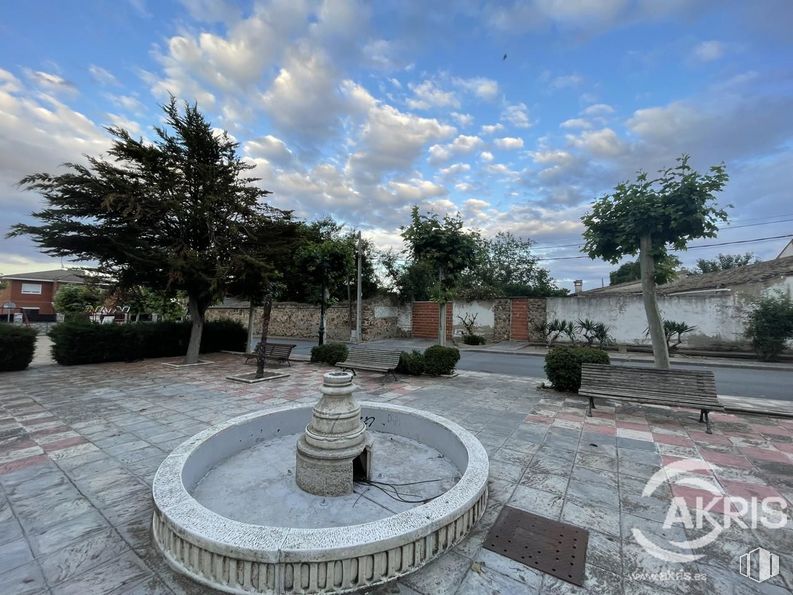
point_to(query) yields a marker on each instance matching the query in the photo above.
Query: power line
(726, 227)
(752, 241)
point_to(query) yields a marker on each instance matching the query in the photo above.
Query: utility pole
(442, 312)
(322, 308)
(359, 294)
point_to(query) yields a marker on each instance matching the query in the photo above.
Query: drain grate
(549, 546)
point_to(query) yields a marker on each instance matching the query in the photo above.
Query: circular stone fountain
(330, 499)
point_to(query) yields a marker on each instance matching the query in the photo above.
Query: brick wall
(519, 325)
(425, 320)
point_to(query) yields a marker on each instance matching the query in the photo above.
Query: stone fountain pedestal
(336, 447)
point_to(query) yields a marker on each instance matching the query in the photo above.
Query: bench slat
(380, 360)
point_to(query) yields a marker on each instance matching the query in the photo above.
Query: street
(730, 380)
(737, 382)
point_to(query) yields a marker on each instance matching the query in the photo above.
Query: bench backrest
(382, 358)
(685, 387)
(277, 350)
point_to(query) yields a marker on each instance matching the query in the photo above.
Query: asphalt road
(732, 381)
(737, 382)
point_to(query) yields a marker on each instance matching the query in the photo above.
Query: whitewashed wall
(485, 316)
(720, 315)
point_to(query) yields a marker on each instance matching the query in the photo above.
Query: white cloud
(53, 83)
(463, 120)
(427, 95)
(461, 145)
(121, 122)
(455, 169)
(102, 76)
(567, 81)
(598, 109)
(509, 143)
(517, 115)
(268, 147)
(601, 143)
(492, 128)
(483, 88)
(486, 156)
(576, 123)
(416, 190)
(708, 51)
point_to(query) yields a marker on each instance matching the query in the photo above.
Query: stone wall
(291, 319)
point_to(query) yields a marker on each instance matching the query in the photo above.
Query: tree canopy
(667, 268)
(168, 214)
(650, 216)
(723, 262)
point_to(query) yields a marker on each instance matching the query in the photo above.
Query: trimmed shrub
(16, 347)
(86, 343)
(563, 365)
(76, 343)
(473, 339)
(440, 360)
(329, 353)
(411, 363)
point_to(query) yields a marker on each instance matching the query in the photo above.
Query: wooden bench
(676, 388)
(374, 360)
(273, 351)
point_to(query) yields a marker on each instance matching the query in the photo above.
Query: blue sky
(359, 110)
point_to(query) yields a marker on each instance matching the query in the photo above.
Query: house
(717, 304)
(34, 292)
(787, 250)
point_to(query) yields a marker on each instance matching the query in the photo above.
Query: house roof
(60, 275)
(749, 274)
(787, 249)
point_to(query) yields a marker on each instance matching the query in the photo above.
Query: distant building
(787, 250)
(34, 292)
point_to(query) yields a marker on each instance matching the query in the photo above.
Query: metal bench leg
(705, 412)
(590, 407)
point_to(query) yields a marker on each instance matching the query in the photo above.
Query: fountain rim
(190, 520)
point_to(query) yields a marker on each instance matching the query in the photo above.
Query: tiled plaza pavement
(79, 447)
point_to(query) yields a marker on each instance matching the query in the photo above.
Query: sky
(516, 115)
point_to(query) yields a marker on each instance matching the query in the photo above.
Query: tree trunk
(654, 320)
(251, 312)
(197, 318)
(267, 308)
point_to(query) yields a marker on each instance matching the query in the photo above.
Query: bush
(411, 363)
(85, 343)
(473, 339)
(329, 353)
(16, 347)
(563, 365)
(770, 325)
(440, 360)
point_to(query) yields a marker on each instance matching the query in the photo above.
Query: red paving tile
(65, 443)
(764, 454)
(784, 446)
(771, 430)
(724, 459)
(700, 499)
(540, 419)
(17, 444)
(49, 431)
(571, 416)
(668, 460)
(742, 489)
(704, 438)
(629, 425)
(673, 439)
(22, 463)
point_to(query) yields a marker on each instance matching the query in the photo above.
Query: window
(31, 288)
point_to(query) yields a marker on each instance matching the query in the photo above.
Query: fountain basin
(241, 557)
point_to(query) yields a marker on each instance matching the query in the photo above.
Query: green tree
(258, 270)
(770, 325)
(649, 216)
(506, 267)
(723, 262)
(140, 300)
(667, 268)
(447, 248)
(168, 215)
(76, 301)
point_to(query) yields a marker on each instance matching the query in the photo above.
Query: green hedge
(440, 360)
(17, 345)
(85, 343)
(411, 363)
(473, 339)
(329, 353)
(563, 365)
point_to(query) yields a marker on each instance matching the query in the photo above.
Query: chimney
(578, 284)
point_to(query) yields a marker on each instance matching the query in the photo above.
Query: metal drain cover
(549, 546)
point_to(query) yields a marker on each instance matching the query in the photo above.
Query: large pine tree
(169, 214)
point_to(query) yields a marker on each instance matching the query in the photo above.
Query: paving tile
(440, 577)
(536, 501)
(23, 580)
(79, 557)
(487, 582)
(125, 571)
(14, 554)
(588, 516)
(56, 536)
